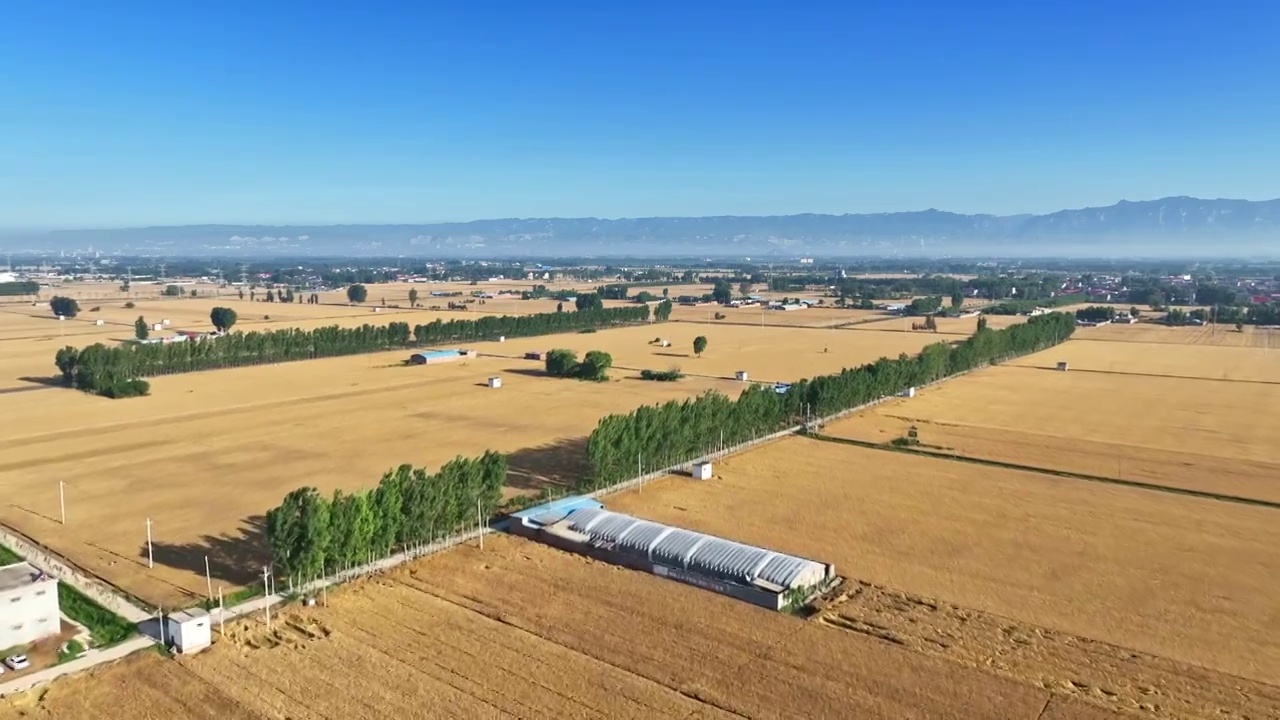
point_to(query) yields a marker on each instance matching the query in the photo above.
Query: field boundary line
(1138, 484)
(1153, 375)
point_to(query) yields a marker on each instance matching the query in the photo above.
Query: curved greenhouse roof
(695, 552)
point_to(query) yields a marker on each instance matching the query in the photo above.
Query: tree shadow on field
(527, 372)
(667, 354)
(50, 381)
(558, 465)
(234, 559)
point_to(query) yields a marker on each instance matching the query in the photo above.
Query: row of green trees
(1096, 313)
(1228, 314)
(659, 436)
(98, 366)
(925, 305)
(1018, 307)
(21, 287)
(311, 535)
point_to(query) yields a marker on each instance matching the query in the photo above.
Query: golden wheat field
(1256, 364)
(946, 326)
(522, 630)
(1183, 578)
(29, 336)
(768, 354)
(1201, 435)
(816, 317)
(1218, 335)
(208, 453)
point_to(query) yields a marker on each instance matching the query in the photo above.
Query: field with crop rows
(1199, 435)
(815, 317)
(1254, 364)
(522, 630)
(1183, 578)
(1218, 335)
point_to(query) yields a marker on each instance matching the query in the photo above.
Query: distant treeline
(1096, 313)
(658, 436)
(24, 287)
(1228, 315)
(1018, 307)
(99, 367)
(312, 536)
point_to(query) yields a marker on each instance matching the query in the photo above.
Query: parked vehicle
(17, 662)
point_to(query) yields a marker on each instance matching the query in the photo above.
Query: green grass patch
(8, 557)
(72, 650)
(517, 503)
(231, 599)
(105, 627)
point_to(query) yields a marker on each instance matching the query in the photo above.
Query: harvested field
(29, 336)
(1081, 669)
(1217, 335)
(209, 452)
(1211, 362)
(1186, 579)
(1192, 434)
(768, 354)
(946, 326)
(523, 630)
(814, 317)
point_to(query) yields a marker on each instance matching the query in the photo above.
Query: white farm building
(28, 605)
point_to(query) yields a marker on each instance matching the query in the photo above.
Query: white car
(17, 662)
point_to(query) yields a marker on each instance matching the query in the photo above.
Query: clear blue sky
(141, 113)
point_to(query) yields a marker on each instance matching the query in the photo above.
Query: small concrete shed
(188, 631)
(740, 375)
(495, 382)
(702, 471)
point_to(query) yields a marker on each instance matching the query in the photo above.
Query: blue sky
(147, 113)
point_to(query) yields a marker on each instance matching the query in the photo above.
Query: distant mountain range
(1182, 226)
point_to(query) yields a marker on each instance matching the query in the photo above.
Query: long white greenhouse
(758, 575)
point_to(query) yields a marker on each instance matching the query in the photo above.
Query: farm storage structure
(435, 357)
(757, 575)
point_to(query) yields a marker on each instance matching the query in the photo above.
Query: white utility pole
(480, 524)
(266, 589)
(62, 500)
(160, 619)
(207, 577)
(151, 563)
